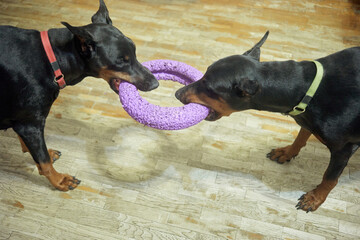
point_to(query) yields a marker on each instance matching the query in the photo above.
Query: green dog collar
(301, 107)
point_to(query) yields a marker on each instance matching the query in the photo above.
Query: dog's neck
(70, 62)
(283, 85)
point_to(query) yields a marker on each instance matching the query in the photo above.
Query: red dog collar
(59, 77)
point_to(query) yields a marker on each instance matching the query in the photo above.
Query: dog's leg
(287, 153)
(338, 161)
(54, 154)
(32, 138)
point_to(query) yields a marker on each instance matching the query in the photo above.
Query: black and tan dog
(28, 88)
(242, 82)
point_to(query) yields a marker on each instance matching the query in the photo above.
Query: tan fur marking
(60, 181)
(287, 153)
(23, 146)
(107, 75)
(219, 105)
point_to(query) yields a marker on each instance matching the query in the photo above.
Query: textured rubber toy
(165, 118)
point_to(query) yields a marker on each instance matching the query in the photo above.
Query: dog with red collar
(34, 67)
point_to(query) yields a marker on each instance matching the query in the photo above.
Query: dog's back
(21, 60)
(343, 64)
(340, 87)
(17, 46)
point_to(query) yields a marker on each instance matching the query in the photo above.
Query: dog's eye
(119, 61)
(122, 60)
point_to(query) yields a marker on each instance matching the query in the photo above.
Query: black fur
(27, 81)
(333, 115)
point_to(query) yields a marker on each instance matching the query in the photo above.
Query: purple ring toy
(165, 118)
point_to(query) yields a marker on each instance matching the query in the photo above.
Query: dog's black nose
(148, 86)
(178, 94)
(154, 84)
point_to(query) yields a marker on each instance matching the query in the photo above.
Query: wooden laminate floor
(210, 181)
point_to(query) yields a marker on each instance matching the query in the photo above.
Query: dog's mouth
(115, 83)
(213, 115)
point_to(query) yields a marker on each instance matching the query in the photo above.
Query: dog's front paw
(282, 155)
(60, 181)
(64, 182)
(310, 201)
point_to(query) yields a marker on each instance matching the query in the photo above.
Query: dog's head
(109, 54)
(228, 84)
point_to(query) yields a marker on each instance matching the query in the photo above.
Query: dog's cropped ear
(246, 87)
(102, 15)
(85, 41)
(255, 51)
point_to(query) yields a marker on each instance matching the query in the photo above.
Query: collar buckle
(301, 107)
(299, 110)
(59, 80)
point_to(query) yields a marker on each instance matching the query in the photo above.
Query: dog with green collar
(322, 96)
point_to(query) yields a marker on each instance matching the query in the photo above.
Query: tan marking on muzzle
(108, 74)
(219, 105)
